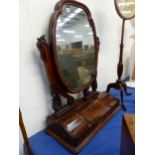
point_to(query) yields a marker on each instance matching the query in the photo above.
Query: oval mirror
(125, 8)
(76, 55)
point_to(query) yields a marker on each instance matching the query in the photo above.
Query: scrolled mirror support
(44, 50)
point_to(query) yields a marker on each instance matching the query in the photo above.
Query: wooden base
(75, 128)
(128, 135)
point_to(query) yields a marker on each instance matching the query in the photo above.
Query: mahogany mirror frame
(120, 14)
(53, 46)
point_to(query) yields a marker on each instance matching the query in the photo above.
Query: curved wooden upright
(23, 130)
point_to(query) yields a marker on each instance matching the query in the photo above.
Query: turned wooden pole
(23, 130)
(120, 63)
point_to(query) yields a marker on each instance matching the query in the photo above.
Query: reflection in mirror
(126, 7)
(75, 46)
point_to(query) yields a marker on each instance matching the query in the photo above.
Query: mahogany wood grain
(87, 118)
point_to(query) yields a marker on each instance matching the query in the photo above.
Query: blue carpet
(105, 142)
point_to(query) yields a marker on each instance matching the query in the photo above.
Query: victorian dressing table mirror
(126, 10)
(70, 58)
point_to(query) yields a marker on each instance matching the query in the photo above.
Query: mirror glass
(75, 47)
(126, 8)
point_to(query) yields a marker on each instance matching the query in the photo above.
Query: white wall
(35, 100)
